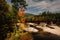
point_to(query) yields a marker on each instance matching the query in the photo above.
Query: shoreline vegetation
(47, 17)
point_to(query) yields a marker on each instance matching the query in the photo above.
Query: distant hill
(28, 14)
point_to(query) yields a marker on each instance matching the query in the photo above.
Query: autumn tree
(7, 16)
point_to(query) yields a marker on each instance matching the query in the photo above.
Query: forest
(44, 17)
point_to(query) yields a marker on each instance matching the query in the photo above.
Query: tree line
(45, 17)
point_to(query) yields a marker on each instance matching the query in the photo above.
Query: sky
(38, 6)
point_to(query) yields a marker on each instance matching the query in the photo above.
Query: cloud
(36, 6)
